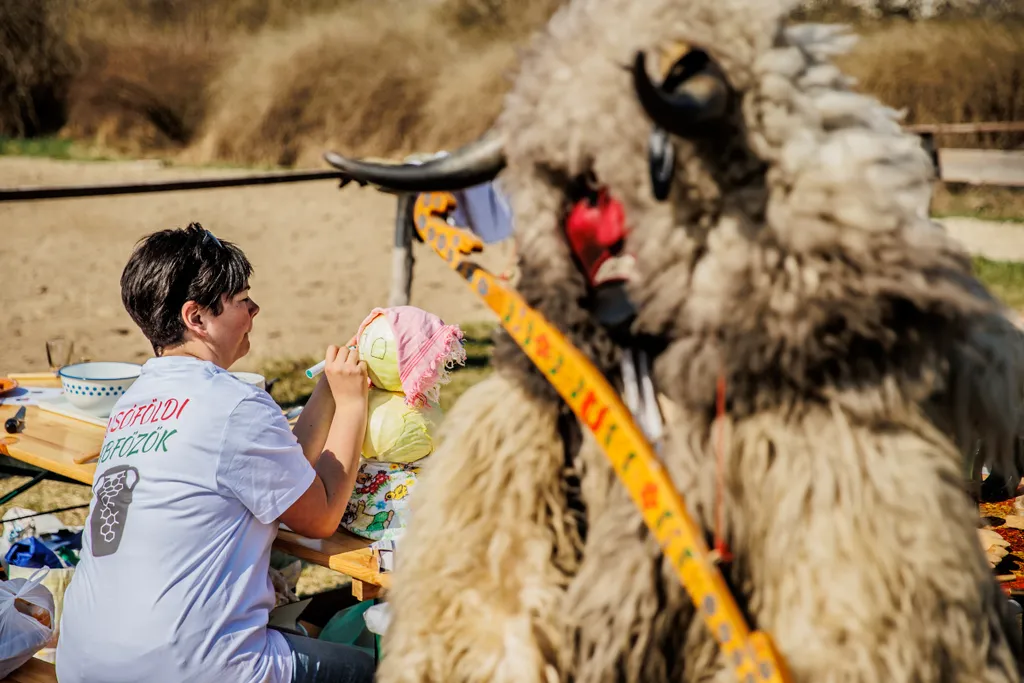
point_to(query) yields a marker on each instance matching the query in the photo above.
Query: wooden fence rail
(995, 167)
(967, 128)
(70, 191)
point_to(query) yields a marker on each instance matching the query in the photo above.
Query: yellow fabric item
(396, 432)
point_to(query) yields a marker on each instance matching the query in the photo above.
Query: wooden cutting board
(53, 442)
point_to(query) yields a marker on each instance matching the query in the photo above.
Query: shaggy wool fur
(489, 549)
(862, 361)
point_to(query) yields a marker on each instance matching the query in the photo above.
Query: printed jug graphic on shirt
(113, 496)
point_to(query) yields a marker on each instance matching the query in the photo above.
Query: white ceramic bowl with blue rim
(94, 387)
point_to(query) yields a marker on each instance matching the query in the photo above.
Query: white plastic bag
(22, 635)
(57, 582)
(378, 618)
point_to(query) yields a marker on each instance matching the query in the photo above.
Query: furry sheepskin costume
(862, 359)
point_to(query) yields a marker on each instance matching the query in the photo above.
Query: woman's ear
(192, 315)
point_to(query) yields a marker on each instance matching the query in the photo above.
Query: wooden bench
(32, 671)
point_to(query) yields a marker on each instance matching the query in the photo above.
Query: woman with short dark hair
(196, 470)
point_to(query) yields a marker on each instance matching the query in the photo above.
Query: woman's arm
(314, 423)
(318, 511)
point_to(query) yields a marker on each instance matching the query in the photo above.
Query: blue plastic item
(35, 552)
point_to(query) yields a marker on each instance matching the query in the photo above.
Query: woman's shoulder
(251, 403)
(257, 419)
(227, 384)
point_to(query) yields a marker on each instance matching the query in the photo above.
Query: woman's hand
(346, 374)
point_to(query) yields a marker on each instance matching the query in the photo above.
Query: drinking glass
(58, 352)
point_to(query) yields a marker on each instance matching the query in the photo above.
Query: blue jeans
(320, 661)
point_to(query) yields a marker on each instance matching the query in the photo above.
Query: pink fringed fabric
(427, 350)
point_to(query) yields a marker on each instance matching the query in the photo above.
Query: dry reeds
(200, 18)
(495, 19)
(141, 93)
(364, 81)
(859, 10)
(37, 64)
(381, 80)
(947, 72)
(280, 81)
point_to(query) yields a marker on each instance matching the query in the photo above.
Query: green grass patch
(479, 344)
(462, 380)
(1005, 279)
(290, 385)
(62, 149)
(982, 202)
(54, 148)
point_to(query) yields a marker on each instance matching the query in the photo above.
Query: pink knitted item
(427, 350)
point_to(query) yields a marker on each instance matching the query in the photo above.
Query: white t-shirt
(172, 585)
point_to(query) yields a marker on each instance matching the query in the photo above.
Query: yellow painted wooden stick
(596, 403)
(34, 376)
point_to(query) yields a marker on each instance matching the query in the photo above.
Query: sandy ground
(321, 259)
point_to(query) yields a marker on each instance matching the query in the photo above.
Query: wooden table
(32, 671)
(54, 442)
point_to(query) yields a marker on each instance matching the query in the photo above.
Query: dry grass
(48, 495)
(495, 19)
(986, 203)
(265, 81)
(276, 82)
(203, 19)
(363, 80)
(269, 82)
(1005, 279)
(865, 10)
(144, 94)
(946, 72)
(37, 64)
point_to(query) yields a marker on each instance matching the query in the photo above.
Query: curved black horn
(698, 99)
(473, 164)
